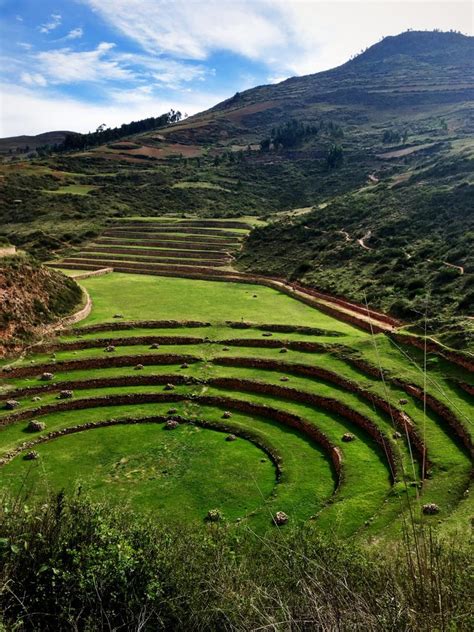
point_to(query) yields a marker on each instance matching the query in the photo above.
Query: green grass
(179, 474)
(73, 189)
(147, 297)
(366, 502)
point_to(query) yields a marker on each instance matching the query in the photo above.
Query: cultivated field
(279, 408)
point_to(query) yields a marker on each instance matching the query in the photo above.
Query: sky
(77, 64)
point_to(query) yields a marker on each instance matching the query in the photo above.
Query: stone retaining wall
(400, 419)
(140, 324)
(456, 357)
(102, 363)
(326, 403)
(288, 419)
(93, 273)
(93, 343)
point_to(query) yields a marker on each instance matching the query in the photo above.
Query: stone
(109, 349)
(231, 437)
(185, 365)
(46, 377)
(172, 411)
(430, 509)
(7, 369)
(225, 349)
(171, 424)
(118, 315)
(284, 379)
(36, 426)
(283, 350)
(169, 387)
(31, 456)
(155, 345)
(227, 414)
(347, 437)
(396, 435)
(138, 367)
(11, 404)
(36, 399)
(267, 334)
(65, 394)
(402, 402)
(213, 515)
(280, 518)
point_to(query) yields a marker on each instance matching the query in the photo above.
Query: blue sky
(75, 64)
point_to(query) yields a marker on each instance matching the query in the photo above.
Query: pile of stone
(280, 518)
(169, 387)
(109, 349)
(213, 515)
(138, 367)
(171, 424)
(347, 437)
(227, 414)
(47, 377)
(231, 437)
(155, 345)
(31, 456)
(65, 394)
(430, 509)
(36, 426)
(11, 404)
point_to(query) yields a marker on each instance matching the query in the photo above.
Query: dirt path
(347, 237)
(362, 240)
(450, 265)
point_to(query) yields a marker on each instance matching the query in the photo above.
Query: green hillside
(380, 148)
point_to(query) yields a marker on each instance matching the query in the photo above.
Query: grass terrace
(277, 407)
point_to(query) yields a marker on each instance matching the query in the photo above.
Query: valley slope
(376, 156)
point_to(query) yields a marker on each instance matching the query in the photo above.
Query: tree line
(75, 141)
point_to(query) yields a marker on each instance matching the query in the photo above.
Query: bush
(82, 566)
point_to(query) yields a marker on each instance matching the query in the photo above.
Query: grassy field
(275, 405)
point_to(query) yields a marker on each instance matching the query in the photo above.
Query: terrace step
(156, 259)
(185, 223)
(159, 252)
(211, 232)
(171, 243)
(119, 266)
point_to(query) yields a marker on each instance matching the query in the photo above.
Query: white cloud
(192, 29)
(166, 72)
(74, 34)
(67, 66)
(25, 45)
(289, 36)
(33, 79)
(27, 111)
(54, 22)
(19, 18)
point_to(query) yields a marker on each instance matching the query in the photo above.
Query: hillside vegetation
(31, 296)
(381, 149)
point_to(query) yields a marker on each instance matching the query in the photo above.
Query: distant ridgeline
(102, 135)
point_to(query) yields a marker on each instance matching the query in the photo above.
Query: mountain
(15, 145)
(363, 173)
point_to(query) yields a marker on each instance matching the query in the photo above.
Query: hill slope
(31, 296)
(381, 148)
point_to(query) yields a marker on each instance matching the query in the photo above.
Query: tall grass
(70, 564)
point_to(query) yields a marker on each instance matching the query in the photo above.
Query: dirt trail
(362, 240)
(347, 237)
(450, 265)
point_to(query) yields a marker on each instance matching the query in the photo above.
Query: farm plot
(197, 400)
(167, 245)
